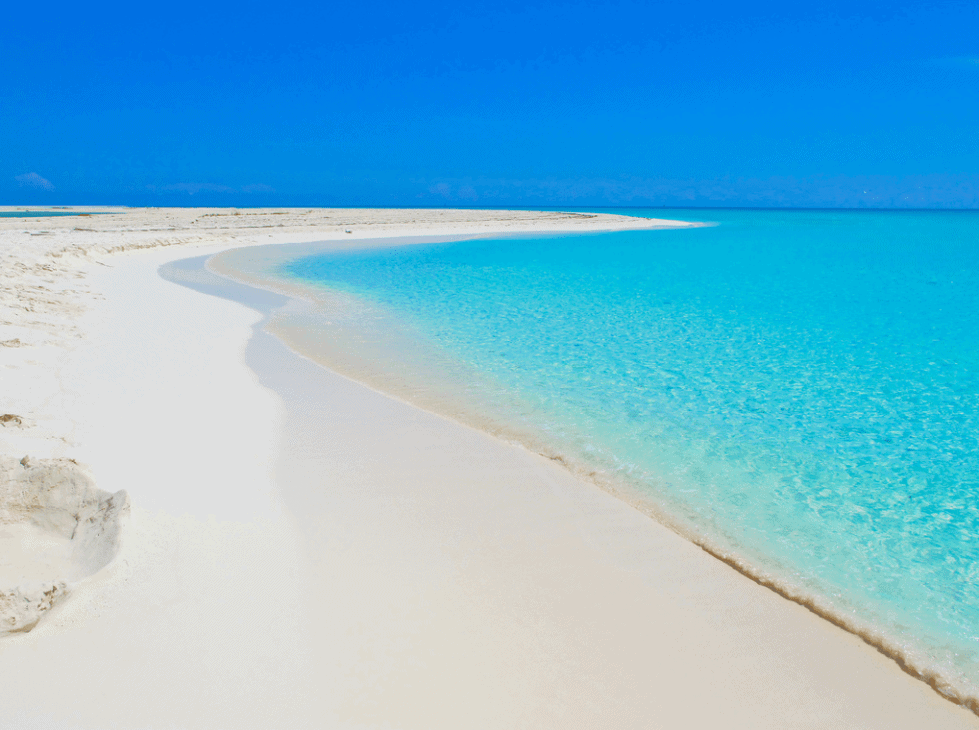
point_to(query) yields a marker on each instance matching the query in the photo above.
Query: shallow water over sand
(797, 389)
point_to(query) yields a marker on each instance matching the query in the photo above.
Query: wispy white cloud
(858, 191)
(192, 188)
(195, 187)
(33, 180)
(257, 188)
(462, 191)
(468, 192)
(955, 62)
(442, 189)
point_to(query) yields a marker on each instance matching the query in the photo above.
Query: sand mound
(56, 528)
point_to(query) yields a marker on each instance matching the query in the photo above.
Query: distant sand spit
(305, 552)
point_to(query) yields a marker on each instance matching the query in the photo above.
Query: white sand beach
(303, 551)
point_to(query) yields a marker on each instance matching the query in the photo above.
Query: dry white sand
(305, 552)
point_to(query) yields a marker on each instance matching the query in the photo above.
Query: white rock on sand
(56, 529)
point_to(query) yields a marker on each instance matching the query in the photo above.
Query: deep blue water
(802, 387)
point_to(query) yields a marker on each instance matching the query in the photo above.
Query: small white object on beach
(56, 529)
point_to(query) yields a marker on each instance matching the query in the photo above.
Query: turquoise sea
(797, 390)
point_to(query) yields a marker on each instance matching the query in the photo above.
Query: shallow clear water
(802, 387)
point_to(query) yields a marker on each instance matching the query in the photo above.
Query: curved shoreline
(546, 600)
(259, 277)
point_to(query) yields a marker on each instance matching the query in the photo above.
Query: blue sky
(492, 103)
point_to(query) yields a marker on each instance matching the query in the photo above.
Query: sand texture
(303, 551)
(56, 528)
